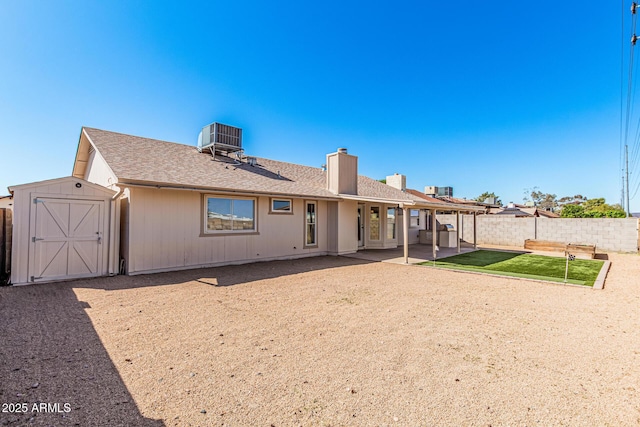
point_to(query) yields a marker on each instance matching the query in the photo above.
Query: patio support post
(475, 240)
(458, 229)
(405, 233)
(433, 232)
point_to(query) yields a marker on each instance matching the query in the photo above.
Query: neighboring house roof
(6, 201)
(513, 211)
(535, 211)
(452, 199)
(416, 193)
(546, 214)
(469, 202)
(438, 203)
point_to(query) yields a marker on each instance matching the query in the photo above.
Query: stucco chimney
(397, 181)
(342, 172)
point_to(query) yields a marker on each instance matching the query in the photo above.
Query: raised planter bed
(580, 251)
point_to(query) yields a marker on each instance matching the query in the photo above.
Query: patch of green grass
(581, 271)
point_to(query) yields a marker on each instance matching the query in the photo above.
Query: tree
(593, 208)
(383, 180)
(546, 201)
(572, 200)
(572, 211)
(484, 196)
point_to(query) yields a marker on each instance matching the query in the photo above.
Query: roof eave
(217, 190)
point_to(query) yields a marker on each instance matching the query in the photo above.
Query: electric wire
(620, 159)
(630, 82)
(630, 93)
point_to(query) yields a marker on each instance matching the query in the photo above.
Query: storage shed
(63, 228)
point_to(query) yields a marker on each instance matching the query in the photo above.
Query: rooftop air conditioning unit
(217, 137)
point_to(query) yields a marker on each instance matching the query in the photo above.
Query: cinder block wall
(607, 234)
(610, 234)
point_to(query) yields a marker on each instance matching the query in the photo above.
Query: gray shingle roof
(137, 159)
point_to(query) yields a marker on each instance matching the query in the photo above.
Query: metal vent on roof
(217, 137)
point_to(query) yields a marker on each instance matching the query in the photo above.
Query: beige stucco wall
(164, 233)
(348, 227)
(414, 232)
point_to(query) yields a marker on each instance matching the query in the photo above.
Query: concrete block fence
(607, 234)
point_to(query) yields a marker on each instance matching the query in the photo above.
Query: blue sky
(482, 96)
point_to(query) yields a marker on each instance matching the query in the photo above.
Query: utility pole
(634, 39)
(626, 164)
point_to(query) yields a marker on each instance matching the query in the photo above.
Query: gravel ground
(322, 341)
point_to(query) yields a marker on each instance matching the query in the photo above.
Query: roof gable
(64, 180)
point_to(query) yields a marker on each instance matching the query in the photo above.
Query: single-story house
(145, 205)
(6, 202)
(521, 211)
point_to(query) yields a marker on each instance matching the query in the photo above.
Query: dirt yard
(322, 341)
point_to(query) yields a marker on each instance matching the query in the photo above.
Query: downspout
(114, 237)
(405, 233)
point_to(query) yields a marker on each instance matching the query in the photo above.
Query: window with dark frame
(281, 206)
(414, 218)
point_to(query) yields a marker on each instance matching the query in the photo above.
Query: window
(414, 218)
(311, 232)
(281, 206)
(374, 223)
(229, 215)
(391, 223)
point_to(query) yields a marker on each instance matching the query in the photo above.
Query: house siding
(98, 171)
(167, 233)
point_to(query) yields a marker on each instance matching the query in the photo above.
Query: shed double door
(66, 239)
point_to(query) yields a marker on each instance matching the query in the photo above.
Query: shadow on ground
(51, 354)
(481, 258)
(221, 276)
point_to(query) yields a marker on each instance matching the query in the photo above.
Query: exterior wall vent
(217, 137)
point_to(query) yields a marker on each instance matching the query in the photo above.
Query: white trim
(315, 223)
(288, 211)
(206, 229)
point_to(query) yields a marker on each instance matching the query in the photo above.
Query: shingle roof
(423, 196)
(137, 159)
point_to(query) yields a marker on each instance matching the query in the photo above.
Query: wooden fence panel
(6, 221)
